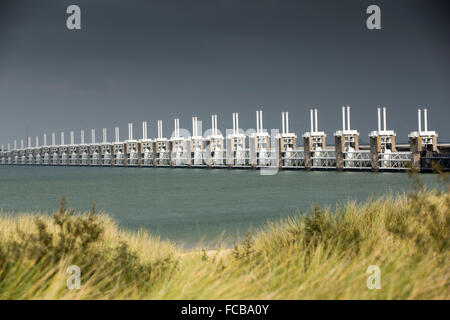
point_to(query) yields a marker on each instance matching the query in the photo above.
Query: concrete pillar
(112, 155)
(155, 153)
(89, 156)
(100, 159)
(230, 152)
(125, 155)
(171, 146)
(339, 145)
(435, 148)
(375, 148)
(307, 146)
(78, 156)
(415, 146)
(253, 158)
(356, 143)
(208, 154)
(190, 148)
(280, 152)
(394, 148)
(139, 151)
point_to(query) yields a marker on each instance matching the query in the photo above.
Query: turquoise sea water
(189, 205)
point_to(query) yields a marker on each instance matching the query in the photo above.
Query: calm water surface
(189, 205)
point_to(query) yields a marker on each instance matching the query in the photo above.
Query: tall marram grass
(319, 255)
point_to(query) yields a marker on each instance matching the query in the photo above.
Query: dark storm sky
(149, 60)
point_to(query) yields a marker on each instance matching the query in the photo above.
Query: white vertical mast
(144, 130)
(419, 120)
(72, 138)
(348, 118)
(215, 124)
(130, 131)
(311, 117)
(316, 121)
(175, 127)
(105, 137)
(379, 120)
(384, 118)
(160, 133)
(45, 139)
(260, 121)
(62, 138)
(287, 122)
(196, 127)
(257, 121)
(425, 119)
(82, 136)
(93, 136)
(116, 133)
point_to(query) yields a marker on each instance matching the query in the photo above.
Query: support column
(415, 146)
(435, 148)
(139, 151)
(307, 146)
(125, 154)
(209, 154)
(155, 151)
(394, 148)
(171, 153)
(253, 158)
(58, 162)
(356, 143)
(375, 148)
(113, 155)
(89, 156)
(339, 146)
(190, 148)
(100, 159)
(229, 148)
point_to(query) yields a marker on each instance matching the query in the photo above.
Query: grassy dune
(321, 255)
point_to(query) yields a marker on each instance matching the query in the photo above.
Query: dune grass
(320, 255)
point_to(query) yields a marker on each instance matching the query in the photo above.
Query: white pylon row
(346, 127)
